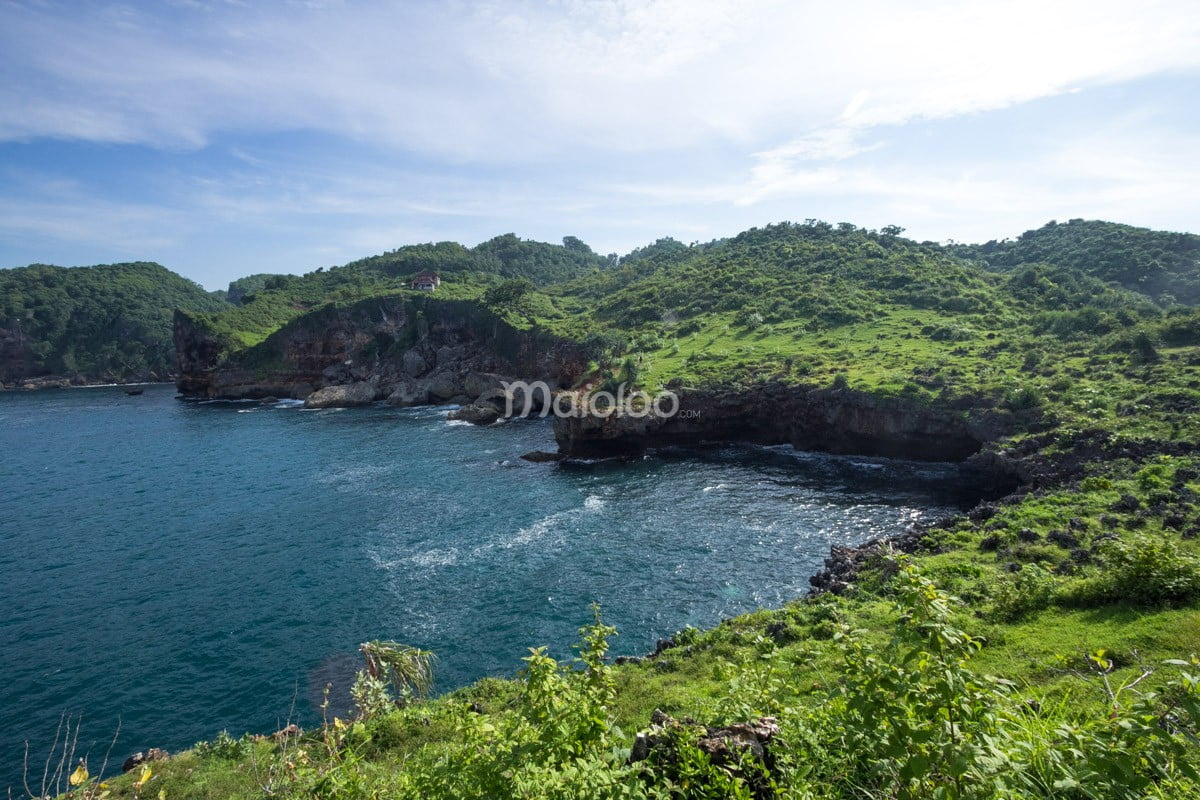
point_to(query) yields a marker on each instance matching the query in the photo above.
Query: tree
(576, 245)
(507, 294)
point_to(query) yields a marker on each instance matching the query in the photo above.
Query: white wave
(593, 502)
(289, 402)
(435, 558)
(548, 527)
(457, 422)
(536, 531)
(717, 487)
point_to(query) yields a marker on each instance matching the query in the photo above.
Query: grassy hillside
(268, 302)
(1041, 646)
(112, 320)
(821, 305)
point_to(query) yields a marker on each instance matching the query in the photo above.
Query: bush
(1144, 570)
(1023, 593)
(1151, 569)
(1024, 399)
(1144, 349)
(224, 747)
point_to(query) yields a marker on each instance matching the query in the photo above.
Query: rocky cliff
(829, 420)
(404, 349)
(16, 357)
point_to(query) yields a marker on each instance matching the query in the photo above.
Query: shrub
(1023, 399)
(1144, 570)
(1155, 477)
(1144, 349)
(224, 747)
(1151, 569)
(1023, 593)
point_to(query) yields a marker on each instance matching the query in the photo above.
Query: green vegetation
(243, 288)
(1160, 265)
(886, 692)
(112, 320)
(115, 320)
(504, 264)
(1041, 646)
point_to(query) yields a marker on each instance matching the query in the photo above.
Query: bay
(178, 568)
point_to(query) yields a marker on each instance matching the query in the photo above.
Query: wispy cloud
(335, 128)
(488, 81)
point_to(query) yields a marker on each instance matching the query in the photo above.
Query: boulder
(476, 413)
(449, 356)
(137, 759)
(408, 393)
(1065, 540)
(414, 364)
(292, 731)
(443, 385)
(542, 456)
(482, 384)
(346, 396)
(729, 746)
(537, 400)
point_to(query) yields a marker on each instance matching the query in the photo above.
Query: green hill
(1162, 265)
(111, 320)
(268, 302)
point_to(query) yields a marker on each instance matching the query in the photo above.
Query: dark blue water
(186, 568)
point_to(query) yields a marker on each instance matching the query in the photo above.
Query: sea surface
(177, 568)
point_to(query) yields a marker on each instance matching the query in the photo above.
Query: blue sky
(225, 138)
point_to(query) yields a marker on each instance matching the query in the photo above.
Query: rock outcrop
(138, 759)
(728, 747)
(404, 350)
(16, 355)
(480, 412)
(349, 395)
(828, 420)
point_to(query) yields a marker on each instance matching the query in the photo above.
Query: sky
(228, 138)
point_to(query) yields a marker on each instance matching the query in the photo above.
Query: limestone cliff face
(834, 421)
(409, 351)
(196, 354)
(16, 360)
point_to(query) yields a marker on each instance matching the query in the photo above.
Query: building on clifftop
(426, 281)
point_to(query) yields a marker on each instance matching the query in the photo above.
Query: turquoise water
(184, 568)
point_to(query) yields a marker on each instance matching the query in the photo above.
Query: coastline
(55, 382)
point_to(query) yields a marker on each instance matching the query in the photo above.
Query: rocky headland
(408, 351)
(402, 350)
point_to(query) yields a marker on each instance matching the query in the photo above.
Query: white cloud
(524, 81)
(616, 121)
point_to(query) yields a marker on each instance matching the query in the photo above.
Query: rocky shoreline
(33, 384)
(411, 353)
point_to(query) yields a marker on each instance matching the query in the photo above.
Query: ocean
(170, 569)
